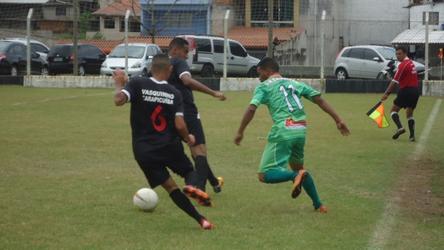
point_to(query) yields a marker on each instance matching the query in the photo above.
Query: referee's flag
(377, 114)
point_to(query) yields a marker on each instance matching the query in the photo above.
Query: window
(18, 50)
(346, 53)
(60, 11)
(39, 48)
(203, 45)
(152, 51)
(370, 54)
(133, 26)
(218, 46)
(357, 53)
(179, 20)
(237, 50)
(89, 51)
(109, 23)
(433, 18)
(282, 12)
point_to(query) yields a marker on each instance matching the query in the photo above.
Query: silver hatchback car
(365, 61)
(140, 56)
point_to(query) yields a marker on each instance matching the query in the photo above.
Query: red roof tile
(107, 45)
(251, 38)
(119, 8)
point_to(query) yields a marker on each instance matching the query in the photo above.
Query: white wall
(416, 13)
(352, 22)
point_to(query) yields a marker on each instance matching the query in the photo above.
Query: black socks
(185, 204)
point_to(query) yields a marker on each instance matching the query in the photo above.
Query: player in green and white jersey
(286, 139)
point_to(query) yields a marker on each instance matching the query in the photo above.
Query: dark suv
(13, 59)
(60, 59)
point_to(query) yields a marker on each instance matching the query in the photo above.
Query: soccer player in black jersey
(157, 125)
(181, 79)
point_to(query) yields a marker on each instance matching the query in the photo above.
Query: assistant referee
(407, 78)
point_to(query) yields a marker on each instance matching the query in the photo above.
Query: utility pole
(426, 44)
(270, 29)
(153, 24)
(75, 31)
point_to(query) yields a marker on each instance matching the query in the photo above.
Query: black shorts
(407, 98)
(195, 128)
(154, 163)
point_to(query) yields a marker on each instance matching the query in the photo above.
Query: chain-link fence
(299, 36)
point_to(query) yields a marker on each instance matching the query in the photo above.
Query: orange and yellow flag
(377, 114)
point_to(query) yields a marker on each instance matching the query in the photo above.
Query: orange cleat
(200, 196)
(322, 209)
(297, 184)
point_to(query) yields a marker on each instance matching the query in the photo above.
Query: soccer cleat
(297, 184)
(200, 196)
(322, 209)
(412, 138)
(220, 182)
(205, 224)
(398, 133)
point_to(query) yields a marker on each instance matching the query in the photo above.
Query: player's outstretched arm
(182, 129)
(120, 80)
(324, 105)
(246, 119)
(196, 85)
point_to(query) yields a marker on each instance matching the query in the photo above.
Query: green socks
(310, 189)
(284, 175)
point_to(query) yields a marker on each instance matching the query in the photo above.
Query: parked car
(36, 46)
(140, 56)
(207, 56)
(60, 59)
(365, 61)
(13, 59)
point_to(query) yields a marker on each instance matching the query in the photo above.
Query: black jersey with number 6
(154, 106)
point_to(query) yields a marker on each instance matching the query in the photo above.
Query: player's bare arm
(120, 80)
(196, 85)
(246, 119)
(327, 108)
(182, 129)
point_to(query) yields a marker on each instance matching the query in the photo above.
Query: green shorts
(280, 154)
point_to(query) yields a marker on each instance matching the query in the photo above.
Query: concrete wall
(69, 81)
(416, 13)
(242, 84)
(351, 22)
(433, 88)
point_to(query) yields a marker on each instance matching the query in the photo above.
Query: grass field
(67, 177)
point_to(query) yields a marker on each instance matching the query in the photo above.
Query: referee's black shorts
(407, 98)
(195, 127)
(154, 162)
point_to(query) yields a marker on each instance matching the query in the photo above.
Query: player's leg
(199, 153)
(184, 203)
(179, 163)
(297, 164)
(398, 103)
(413, 96)
(273, 167)
(411, 122)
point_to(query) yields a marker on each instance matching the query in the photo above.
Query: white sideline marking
(59, 99)
(385, 224)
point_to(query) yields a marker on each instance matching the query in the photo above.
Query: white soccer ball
(145, 199)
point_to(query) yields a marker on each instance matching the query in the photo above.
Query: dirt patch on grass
(414, 188)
